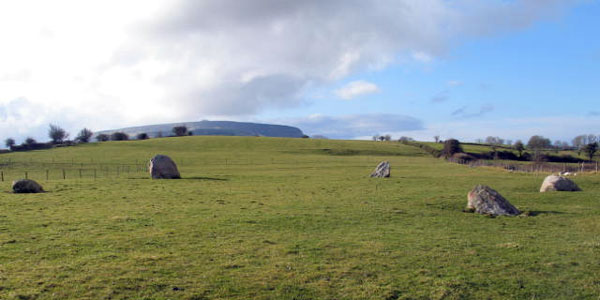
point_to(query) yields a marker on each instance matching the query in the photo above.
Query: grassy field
(267, 218)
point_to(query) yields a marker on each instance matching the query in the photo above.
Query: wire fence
(13, 173)
(61, 170)
(535, 167)
(66, 170)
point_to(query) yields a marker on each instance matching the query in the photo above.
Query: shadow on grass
(534, 213)
(203, 178)
(13, 193)
(184, 178)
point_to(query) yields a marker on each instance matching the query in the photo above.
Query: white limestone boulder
(558, 183)
(485, 200)
(382, 170)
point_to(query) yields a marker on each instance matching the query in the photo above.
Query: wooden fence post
(26, 175)
(64, 174)
(2, 173)
(47, 171)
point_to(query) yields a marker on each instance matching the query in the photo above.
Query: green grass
(266, 218)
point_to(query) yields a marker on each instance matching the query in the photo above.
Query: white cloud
(356, 88)
(148, 61)
(422, 57)
(454, 83)
(463, 112)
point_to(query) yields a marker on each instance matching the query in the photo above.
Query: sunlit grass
(266, 218)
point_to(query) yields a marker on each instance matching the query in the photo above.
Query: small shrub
(451, 147)
(30, 141)
(180, 130)
(102, 137)
(119, 136)
(9, 142)
(142, 136)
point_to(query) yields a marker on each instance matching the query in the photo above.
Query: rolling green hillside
(274, 218)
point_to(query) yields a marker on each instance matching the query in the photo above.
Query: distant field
(270, 218)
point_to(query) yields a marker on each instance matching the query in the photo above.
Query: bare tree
(142, 136)
(539, 142)
(9, 142)
(519, 147)
(436, 138)
(57, 134)
(577, 142)
(590, 149)
(494, 140)
(387, 137)
(84, 135)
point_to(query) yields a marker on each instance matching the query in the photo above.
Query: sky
(346, 69)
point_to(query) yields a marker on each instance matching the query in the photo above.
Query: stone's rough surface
(558, 183)
(382, 170)
(484, 200)
(26, 186)
(163, 167)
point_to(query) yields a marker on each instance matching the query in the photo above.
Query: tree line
(588, 144)
(60, 137)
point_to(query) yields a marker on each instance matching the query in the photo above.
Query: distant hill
(228, 128)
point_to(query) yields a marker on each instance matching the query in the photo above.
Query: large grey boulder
(163, 167)
(26, 186)
(558, 183)
(382, 170)
(484, 200)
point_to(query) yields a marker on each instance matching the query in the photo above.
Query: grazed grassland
(267, 218)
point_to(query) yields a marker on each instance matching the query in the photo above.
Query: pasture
(270, 218)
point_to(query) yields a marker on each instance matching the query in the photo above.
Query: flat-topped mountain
(228, 128)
